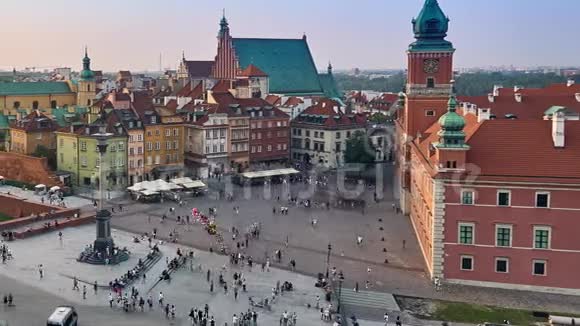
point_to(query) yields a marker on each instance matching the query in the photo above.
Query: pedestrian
(150, 302)
(160, 298)
(211, 287)
(75, 284)
(404, 243)
(60, 235)
(40, 271)
(226, 288)
(267, 264)
(172, 311)
(141, 304)
(95, 286)
(208, 274)
(386, 318)
(206, 309)
(212, 321)
(120, 208)
(317, 302)
(356, 287)
(398, 322)
(10, 300)
(167, 311)
(111, 300)
(235, 293)
(84, 291)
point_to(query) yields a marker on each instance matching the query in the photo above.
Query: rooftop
(34, 88)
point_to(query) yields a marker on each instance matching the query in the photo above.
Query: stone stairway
(369, 299)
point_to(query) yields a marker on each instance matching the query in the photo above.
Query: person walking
(386, 318)
(211, 286)
(84, 292)
(236, 293)
(160, 298)
(150, 302)
(208, 274)
(40, 271)
(167, 310)
(75, 284)
(111, 300)
(95, 287)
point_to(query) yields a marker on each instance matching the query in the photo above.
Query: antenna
(160, 63)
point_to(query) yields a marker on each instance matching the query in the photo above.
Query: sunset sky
(131, 34)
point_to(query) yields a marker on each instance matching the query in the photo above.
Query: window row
(269, 124)
(502, 265)
(139, 150)
(279, 147)
(132, 138)
(269, 134)
(542, 198)
(214, 149)
(542, 235)
(215, 133)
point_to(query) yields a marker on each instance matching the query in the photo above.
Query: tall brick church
(490, 183)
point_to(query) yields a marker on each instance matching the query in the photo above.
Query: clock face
(431, 66)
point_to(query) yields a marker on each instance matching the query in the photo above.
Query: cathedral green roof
(34, 88)
(329, 86)
(287, 62)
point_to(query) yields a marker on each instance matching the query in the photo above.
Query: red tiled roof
(515, 148)
(273, 99)
(125, 74)
(222, 86)
(187, 91)
(535, 101)
(35, 121)
(293, 101)
(171, 105)
(326, 107)
(252, 71)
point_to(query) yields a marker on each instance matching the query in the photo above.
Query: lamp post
(340, 280)
(328, 259)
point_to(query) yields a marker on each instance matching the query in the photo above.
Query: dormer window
(153, 119)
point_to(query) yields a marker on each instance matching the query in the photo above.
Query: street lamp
(328, 259)
(340, 280)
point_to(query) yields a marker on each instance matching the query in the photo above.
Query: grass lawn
(475, 314)
(4, 217)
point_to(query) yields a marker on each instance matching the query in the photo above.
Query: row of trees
(469, 84)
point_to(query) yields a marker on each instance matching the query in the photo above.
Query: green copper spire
(224, 27)
(430, 29)
(87, 73)
(451, 134)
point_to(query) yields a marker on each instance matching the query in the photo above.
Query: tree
(43, 151)
(359, 149)
(378, 118)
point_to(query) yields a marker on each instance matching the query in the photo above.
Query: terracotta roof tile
(253, 71)
(273, 99)
(198, 68)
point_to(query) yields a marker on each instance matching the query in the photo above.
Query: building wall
(67, 155)
(269, 139)
(562, 258)
(328, 157)
(421, 208)
(166, 147)
(33, 170)
(416, 73)
(135, 161)
(27, 101)
(26, 142)
(86, 92)
(239, 145)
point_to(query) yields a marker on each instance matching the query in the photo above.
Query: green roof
(329, 86)
(287, 62)
(60, 115)
(34, 88)
(430, 29)
(4, 123)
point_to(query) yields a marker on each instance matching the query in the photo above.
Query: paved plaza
(186, 289)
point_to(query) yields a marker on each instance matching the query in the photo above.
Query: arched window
(88, 87)
(89, 102)
(307, 143)
(17, 105)
(430, 82)
(53, 104)
(35, 105)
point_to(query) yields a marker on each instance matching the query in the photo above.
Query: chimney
(569, 82)
(577, 95)
(72, 129)
(558, 120)
(335, 108)
(518, 97)
(483, 114)
(323, 104)
(88, 130)
(517, 88)
(496, 89)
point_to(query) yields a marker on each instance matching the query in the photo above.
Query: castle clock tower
(429, 70)
(429, 86)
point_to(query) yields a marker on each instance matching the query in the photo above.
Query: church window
(53, 104)
(430, 82)
(88, 102)
(88, 87)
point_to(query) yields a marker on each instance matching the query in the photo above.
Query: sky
(131, 34)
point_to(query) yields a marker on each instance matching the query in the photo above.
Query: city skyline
(127, 36)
